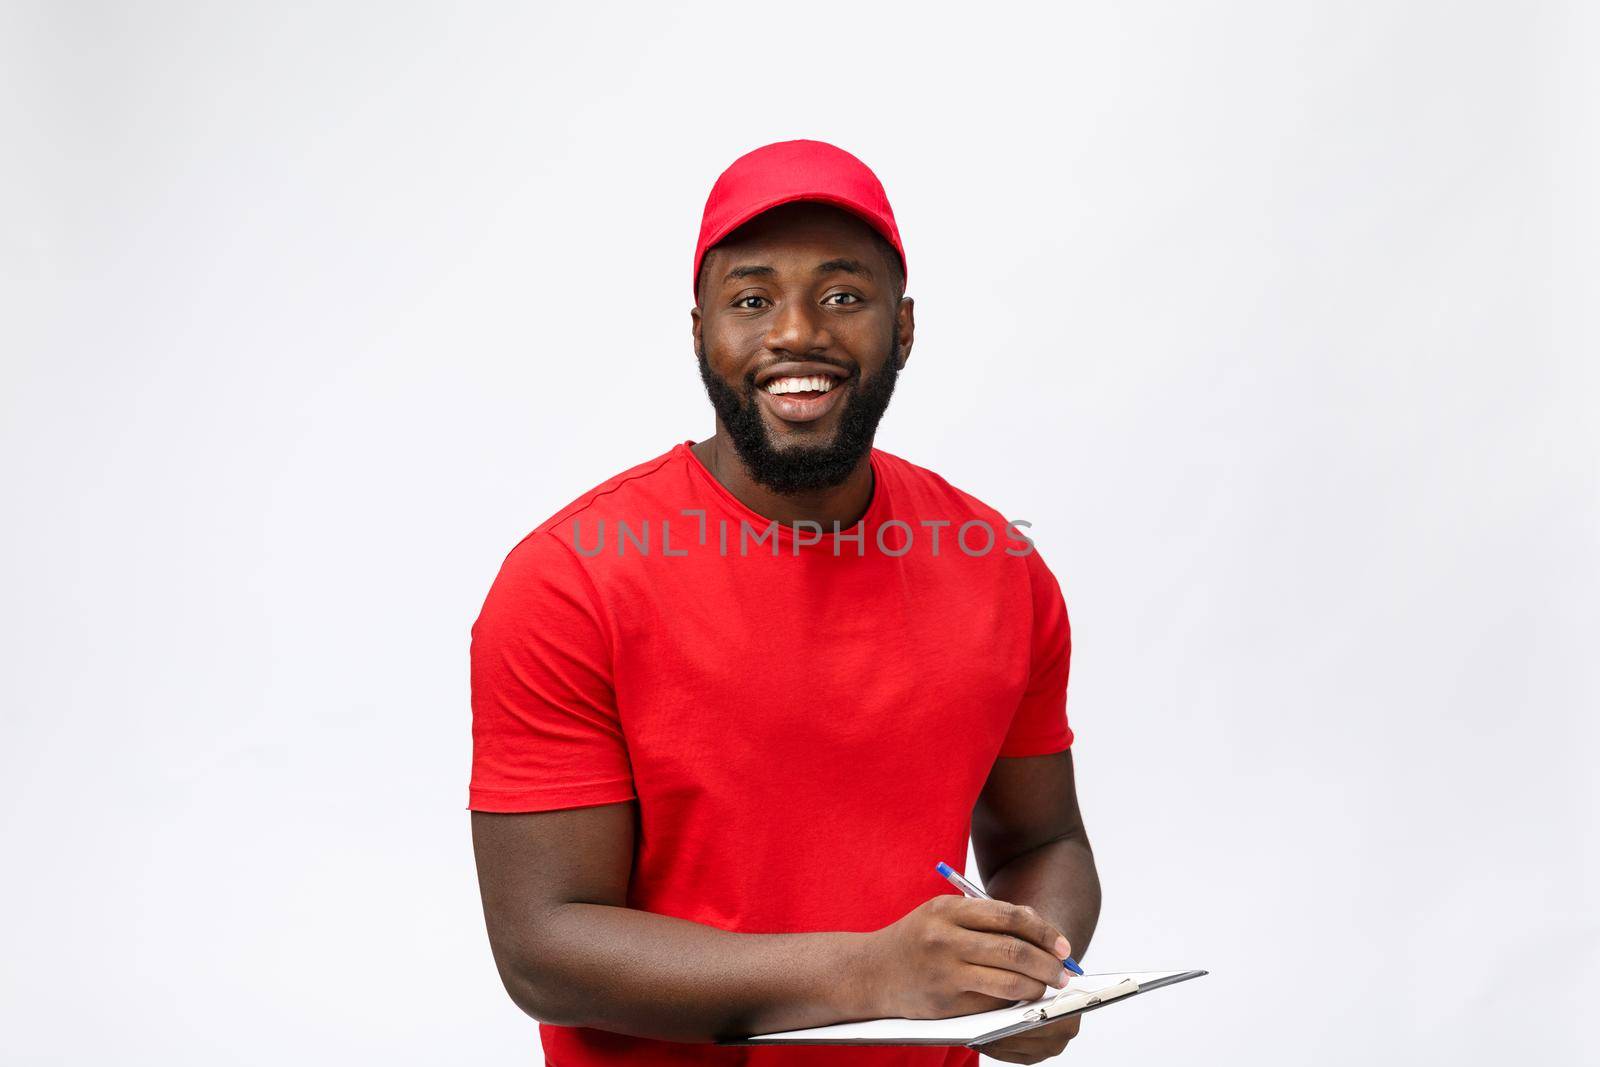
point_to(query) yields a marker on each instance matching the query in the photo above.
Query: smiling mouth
(804, 388)
(801, 398)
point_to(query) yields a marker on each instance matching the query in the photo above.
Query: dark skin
(554, 884)
(800, 283)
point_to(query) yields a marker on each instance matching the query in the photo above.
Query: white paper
(957, 1030)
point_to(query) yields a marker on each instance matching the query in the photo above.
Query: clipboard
(1081, 995)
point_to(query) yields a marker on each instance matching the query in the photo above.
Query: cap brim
(860, 211)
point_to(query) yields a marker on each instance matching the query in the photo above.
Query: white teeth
(816, 384)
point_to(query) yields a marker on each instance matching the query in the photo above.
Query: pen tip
(943, 868)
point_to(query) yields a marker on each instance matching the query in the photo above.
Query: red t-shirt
(774, 706)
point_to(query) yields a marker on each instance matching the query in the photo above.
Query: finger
(1028, 1051)
(1019, 1048)
(1000, 983)
(1052, 1039)
(1009, 953)
(1018, 920)
(1031, 1046)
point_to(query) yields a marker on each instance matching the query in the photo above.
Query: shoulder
(544, 562)
(930, 496)
(627, 493)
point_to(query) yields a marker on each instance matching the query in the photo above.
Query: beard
(802, 468)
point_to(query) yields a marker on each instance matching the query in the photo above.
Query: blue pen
(975, 893)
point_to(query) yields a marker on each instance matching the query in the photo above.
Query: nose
(797, 330)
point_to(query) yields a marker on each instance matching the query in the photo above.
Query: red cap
(788, 171)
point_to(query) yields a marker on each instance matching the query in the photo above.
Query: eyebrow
(748, 272)
(847, 266)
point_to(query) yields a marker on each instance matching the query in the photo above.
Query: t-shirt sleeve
(1039, 725)
(545, 729)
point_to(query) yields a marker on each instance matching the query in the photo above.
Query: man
(731, 707)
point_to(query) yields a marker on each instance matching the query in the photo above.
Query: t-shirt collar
(877, 506)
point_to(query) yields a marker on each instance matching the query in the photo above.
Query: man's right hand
(955, 955)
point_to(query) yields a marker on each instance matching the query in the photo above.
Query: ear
(905, 316)
(694, 327)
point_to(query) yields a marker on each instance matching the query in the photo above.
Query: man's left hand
(1034, 1045)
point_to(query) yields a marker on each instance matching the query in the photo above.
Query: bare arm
(1031, 847)
(570, 952)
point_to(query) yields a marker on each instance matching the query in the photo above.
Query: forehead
(799, 231)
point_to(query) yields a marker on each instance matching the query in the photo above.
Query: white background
(1276, 319)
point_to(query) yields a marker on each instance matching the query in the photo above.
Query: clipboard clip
(1067, 1001)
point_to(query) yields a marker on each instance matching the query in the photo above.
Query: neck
(844, 503)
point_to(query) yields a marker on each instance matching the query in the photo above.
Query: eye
(750, 302)
(841, 299)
